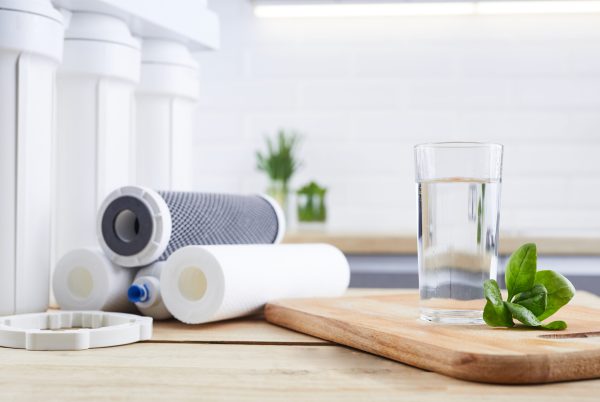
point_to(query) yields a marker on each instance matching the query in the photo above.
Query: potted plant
(280, 163)
(311, 204)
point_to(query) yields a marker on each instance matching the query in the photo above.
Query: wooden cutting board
(387, 325)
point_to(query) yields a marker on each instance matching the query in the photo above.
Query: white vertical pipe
(31, 36)
(94, 149)
(165, 102)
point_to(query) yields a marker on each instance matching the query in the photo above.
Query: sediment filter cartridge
(201, 284)
(85, 279)
(145, 292)
(138, 226)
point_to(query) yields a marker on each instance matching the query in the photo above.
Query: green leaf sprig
(533, 295)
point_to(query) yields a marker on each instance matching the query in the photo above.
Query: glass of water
(458, 190)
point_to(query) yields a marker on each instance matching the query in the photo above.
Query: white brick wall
(363, 91)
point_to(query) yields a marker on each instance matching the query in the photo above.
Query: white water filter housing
(165, 101)
(95, 134)
(31, 42)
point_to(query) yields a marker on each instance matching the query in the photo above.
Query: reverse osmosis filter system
(165, 100)
(94, 147)
(31, 42)
(200, 257)
(67, 139)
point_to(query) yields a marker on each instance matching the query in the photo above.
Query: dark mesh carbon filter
(138, 226)
(219, 219)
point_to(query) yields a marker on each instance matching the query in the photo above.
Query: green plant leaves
(280, 161)
(528, 318)
(523, 314)
(532, 297)
(495, 317)
(534, 300)
(560, 291)
(491, 291)
(555, 326)
(520, 270)
(495, 313)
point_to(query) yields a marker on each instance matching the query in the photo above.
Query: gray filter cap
(138, 226)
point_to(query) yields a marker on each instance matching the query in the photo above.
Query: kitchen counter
(247, 359)
(384, 243)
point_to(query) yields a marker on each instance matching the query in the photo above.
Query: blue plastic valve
(137, 293)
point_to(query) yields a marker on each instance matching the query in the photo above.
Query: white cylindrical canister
(94, 149)
(145, 292)
(85, 279)
(201, 284)
(31, 41)
(165, 101)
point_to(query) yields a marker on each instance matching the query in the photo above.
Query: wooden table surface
(247, 359)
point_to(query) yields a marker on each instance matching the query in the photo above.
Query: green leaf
(495, 317)
(523, 314)
(520, 270)
(534, 300)
(528, 318)
(560, 291)
(532, 297)
(555, 326)
(491, 291)
(495, 313)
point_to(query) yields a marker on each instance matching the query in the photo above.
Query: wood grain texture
(252, 330)
(182, 367)
(388, 326)
(393, 243)
(191, 372)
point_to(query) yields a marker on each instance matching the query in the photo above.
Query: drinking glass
(458, 192)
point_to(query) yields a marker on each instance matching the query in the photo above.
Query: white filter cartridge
(85, 279)
(145, 292)
(138, 226)
(201, 284)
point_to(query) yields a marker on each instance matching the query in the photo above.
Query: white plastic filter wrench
(73, 330)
